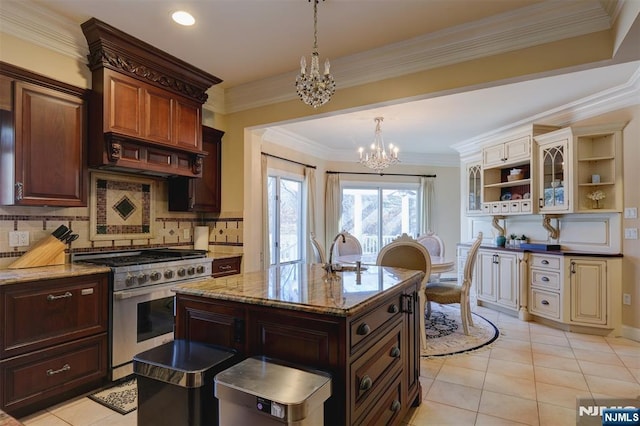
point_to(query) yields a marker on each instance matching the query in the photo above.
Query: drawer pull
(545, 279)
(62, 296)
(225, 267)
(545, 262)
(64, 368)
(544, 302)
(393, 309)
(395, 406)
(364, 329)
(395, 352)
(366, 383)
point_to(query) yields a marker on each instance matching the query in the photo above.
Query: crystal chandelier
(379, 158)
(315, 89)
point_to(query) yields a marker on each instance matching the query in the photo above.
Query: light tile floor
(532, 375)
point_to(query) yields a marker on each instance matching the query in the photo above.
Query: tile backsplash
(172, 229)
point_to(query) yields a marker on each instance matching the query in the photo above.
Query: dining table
(438, 264)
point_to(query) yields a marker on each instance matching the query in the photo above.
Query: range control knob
(181, 272)
(168, 274)
(142, 278)
(200, 269)
(155, 276)
(191, 270)
(129, 281)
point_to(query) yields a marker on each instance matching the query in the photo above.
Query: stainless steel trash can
(264, 391)
(175, 383)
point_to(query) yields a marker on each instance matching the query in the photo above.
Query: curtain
(310, 186)
(266, 247)
(427, 197)
(333, 208)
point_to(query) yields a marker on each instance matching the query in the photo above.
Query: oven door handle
(122, 295)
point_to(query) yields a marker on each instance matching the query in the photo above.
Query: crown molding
(538, 24)
(40, 26)
(622, 96)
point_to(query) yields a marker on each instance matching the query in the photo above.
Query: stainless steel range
(142, 304)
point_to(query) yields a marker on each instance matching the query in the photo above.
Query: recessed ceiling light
(183, 18)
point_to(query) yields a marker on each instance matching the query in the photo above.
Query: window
(376, 215)
(285, 220)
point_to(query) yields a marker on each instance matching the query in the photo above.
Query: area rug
(122, 397)
(445, 335)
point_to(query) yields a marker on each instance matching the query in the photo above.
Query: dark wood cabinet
(54, 341)
(372, 354)
(200, 194)
(42, 144)
(226, 266)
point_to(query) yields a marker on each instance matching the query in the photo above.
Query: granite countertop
(13, 276)
(303, 287)
(551, 252)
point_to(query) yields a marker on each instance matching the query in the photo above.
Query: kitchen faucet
(329, 266)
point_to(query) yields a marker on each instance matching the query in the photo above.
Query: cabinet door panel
(486, 286)
(123, 106)
(493, 155)
(588, 291)
(508, 282)
(50, 132)
(188, 125)
(518, 149)
(158, 114)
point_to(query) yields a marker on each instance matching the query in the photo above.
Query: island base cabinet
(372, 355)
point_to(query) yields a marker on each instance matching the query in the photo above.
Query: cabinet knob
(544, 302)
(395, 352)
(545, 262)
(364, 329)
(366, 383)
(393, 309)
(545, 279)
(395, 405)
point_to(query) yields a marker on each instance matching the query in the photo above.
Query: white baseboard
(631, 332)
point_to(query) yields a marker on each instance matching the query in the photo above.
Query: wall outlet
(630, 233)
(18, 238)
(626, 299)
(631, 213)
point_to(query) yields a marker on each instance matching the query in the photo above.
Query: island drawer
(224, 267)
(545, 304)
(369, 323)
(372, 370)
(387, 408)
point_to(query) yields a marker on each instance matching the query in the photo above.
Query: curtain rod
(286, 159)
(378, 174)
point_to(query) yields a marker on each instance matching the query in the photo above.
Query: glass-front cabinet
(474, 188)
(554, 171)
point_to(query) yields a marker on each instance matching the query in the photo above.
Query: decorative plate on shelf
(506, 196)
(516, 197)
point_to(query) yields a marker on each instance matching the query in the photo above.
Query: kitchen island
(360, 328)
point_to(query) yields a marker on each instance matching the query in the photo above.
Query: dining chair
(405, 252)
(350, 245)
(435, 246)
(455, 292)
(318, 251)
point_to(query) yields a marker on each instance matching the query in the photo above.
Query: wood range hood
(145, 108)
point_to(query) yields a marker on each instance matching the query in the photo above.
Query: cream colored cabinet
(578, 291)
(588, 291)
(498, 278)
(598, 165)
(473, 191)
(507, 152)
(554, 175)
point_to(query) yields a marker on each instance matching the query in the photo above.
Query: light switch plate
(630, 233)
(631, 213)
